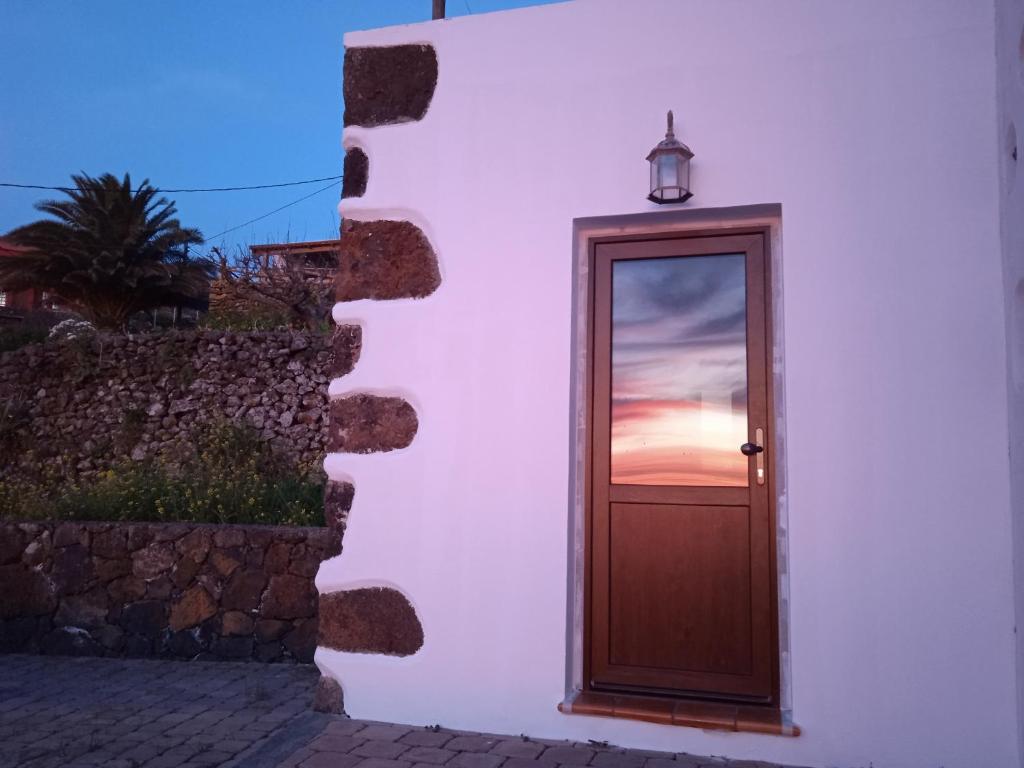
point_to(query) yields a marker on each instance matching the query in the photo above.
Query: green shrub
(231, 477)
(16, 336)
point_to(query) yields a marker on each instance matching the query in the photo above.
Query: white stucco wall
(1010, 132)
(875, 125)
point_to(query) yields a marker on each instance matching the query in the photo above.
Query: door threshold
(707, 715)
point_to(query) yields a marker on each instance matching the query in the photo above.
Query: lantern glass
(668, 175)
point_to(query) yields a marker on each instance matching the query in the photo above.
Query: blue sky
(188, 93)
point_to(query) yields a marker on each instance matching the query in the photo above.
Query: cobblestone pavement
(71, 712)
(347, 743)
(118, 713)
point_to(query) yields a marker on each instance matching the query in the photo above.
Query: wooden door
(681, 597)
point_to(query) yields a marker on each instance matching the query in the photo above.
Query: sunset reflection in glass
(679, 371)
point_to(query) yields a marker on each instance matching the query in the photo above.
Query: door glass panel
(679, 371)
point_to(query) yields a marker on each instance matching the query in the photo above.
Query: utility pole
(438, 9)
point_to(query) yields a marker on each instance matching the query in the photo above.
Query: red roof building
(19, 301)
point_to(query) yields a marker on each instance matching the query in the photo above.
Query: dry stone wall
(152, 589)
(100, 401)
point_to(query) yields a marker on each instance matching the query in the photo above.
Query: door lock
(756, 449)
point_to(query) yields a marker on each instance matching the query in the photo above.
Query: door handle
(756, 449)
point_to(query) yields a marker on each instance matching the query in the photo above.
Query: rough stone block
(194, 607)
(370, 423)
(370, 620)
(233, 647)
(66, 534)
(338, 499)
(328, 697)
(229, 537)
(12, 543)
(385, 260)
(72, 569)
(70, 641)
(127, 589)
(146, 618)
(111, 544)
(184, 644)
(301, 641)
(346, 344)
(289, 597)
(107, 570)
(267, 652)
(225, 561)
(160, 588)
(196, 544)
(109, 636)
(87, 610)
(277, 557)
(25, 592)
(244, 590)
(154, 560)
(271, 629)
(388, 84)
(184, 572)
(355, 174)
(236, 623)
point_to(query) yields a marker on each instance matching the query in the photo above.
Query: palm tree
(109, 251)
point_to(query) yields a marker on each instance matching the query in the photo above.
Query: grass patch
(230, 477)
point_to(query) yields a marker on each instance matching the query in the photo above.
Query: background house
(16, 302)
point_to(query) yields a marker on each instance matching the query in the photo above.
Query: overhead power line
(176, 191)
(276, 210)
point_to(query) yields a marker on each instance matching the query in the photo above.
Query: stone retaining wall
(91, 403)
(171, 590)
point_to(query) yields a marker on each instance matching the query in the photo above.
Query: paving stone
(570, 755)
(163, 762)
(427, 738)
(210, 758)
(330, 742)
(332, 760)
(383, 732)
(472, 743)
(525, 762)
(376, 748)
(476, 760)
(381, 762)
(518, 748)
(296, 758)
(432, 755)
(616, 760)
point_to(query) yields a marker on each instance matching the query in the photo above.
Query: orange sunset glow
(679, 409)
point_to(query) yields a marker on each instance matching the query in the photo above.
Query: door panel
(680, 551)
(686, 558)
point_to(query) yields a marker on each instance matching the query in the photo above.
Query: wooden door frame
(774, 463)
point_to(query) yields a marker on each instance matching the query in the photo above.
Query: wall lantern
(670, 169)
